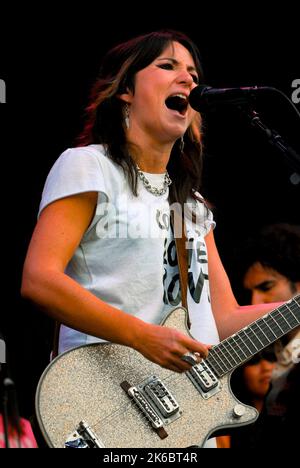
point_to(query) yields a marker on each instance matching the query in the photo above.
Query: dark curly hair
(276, 246)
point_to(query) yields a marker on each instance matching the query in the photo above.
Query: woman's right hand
(167, 346)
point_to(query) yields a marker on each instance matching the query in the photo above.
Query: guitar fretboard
(240, 347)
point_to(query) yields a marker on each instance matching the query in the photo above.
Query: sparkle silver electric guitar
(109, 396)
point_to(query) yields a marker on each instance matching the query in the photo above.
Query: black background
(49, 61)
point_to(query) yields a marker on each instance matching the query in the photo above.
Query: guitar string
(239, 342)
(123, 409)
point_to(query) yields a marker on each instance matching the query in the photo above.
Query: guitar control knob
(238, 411)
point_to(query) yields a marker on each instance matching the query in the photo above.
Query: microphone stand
(5, 413)
(5, 391)
(9, 400)
(276, 140)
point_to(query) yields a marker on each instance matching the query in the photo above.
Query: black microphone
(204, 96)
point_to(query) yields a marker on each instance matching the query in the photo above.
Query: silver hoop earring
(181, 145)
(127, 113)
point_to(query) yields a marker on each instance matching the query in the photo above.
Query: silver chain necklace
(154, 190)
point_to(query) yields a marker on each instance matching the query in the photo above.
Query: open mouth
(177, 102)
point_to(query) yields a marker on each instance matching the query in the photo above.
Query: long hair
(238, 380)
(104, 114)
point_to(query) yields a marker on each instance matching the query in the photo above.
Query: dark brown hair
(275, 246)
(104, 114)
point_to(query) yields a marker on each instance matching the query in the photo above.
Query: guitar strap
(177, 220)
(54, 351)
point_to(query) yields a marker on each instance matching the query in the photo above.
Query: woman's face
(258, 377)
(155, 112)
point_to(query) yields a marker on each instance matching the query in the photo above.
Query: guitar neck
(240, 347)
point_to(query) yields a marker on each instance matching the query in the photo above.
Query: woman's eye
(266, 287)
(166, 66)
(170, 66)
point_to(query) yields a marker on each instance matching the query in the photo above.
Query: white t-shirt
(127, 256)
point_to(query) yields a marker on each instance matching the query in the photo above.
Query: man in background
(269, 265)
(270, 268)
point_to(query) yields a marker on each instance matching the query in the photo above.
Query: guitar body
(85, 384)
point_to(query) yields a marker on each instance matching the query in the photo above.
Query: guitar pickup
(161, 397)
(154, 400)
(204, 379)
